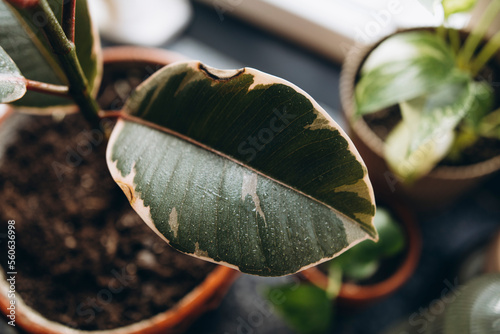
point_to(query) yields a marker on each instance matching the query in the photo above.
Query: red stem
(68, 19)
(23, 3)
(42, 87)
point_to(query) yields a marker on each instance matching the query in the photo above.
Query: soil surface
(84, 258)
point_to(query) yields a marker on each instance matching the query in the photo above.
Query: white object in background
(141, 22)
(329, 27)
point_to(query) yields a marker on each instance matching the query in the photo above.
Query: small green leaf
(412, 167)
(241, 168)
(362, 261)
(482, 103)
(12, 83)
(23, 39)
(490, 125)
(305, 308)
(403, 67)
(457, 6)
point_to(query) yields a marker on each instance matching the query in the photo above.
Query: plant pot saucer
(206, 296)
(441, 187)
(360, 295)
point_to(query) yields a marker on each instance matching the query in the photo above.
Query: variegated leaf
(240, 168)
(12, 83)
(403, 67)
(23, 39)
(427, 131)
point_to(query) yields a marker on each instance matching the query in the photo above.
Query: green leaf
(457, 6)
(426, 135)
(410, 167)
(482, 103)
(490, 125)
(247, 170)
(24, 41)
(12, 83)
(402, 67)
(305, 308)
(362, 261)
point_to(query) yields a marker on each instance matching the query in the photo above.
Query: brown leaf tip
(127, 190)
(220, 75)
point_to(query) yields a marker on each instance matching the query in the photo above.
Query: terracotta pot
(204, 297)
(361, 295)
(440, 187)
(493, 256)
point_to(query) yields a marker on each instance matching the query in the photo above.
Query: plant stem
(478, 33)
(488, 51)
(23, 3)
(454, 39)
(334, 280)
(68, 19)
(66, 52)
(441, 32)
(42, 87)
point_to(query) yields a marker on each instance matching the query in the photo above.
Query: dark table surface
(449, 236)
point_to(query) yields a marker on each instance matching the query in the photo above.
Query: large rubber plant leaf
(426, 134)
(241, 168)
(402, 67)
(12, 82)
(23, 39)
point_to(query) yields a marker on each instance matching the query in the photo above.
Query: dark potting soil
(84, 258)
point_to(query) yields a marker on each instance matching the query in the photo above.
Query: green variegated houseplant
(236, 167)
(426, 101)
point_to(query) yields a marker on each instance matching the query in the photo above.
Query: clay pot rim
(196, 301)
(202, 298)
(354, 294)
(348, 75)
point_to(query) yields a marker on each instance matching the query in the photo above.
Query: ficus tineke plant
(176, 149)
(440, 83)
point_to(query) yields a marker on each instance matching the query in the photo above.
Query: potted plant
(423, 109)
(360, 276)
(370, 272)
(232, 166)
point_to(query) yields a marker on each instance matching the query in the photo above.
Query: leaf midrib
(128, 117)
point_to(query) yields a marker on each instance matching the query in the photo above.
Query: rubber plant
(438, 80)
(236, 167)
(309, 309)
